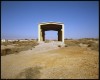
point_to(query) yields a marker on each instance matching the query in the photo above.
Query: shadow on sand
(30, 73)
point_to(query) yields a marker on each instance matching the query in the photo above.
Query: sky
(20, 19)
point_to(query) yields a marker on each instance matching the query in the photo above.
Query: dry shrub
(22, 46)
(47, 41)
(6, 43)
(71, 42)
(84, 41)
(94, 46)
(6, 51)
(26, 43)
(91, 43)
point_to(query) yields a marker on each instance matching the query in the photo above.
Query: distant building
(11, 40)
(23, 40)
(3, 40)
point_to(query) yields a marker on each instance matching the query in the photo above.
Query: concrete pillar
(63, 33)
(58, 35)
(43, 34)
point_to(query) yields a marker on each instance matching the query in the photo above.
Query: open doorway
(51, 35)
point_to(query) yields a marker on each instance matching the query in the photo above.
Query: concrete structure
(42, 27)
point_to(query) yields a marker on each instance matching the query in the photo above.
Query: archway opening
(51, 35)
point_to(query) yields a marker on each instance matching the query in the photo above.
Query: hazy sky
(20, 19)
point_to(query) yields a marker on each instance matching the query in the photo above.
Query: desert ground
(76, 59)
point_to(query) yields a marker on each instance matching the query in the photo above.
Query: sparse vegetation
(90, 42)
(6, 51)
(19, 46)
(26, 45)
(78, 60)
(94, 46)
(71, 42)
(47, 41)
(6, 43)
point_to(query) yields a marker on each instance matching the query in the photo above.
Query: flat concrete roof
(43, 23)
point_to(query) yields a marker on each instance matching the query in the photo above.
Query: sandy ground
(71, 62)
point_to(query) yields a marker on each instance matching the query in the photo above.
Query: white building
(23, 40)
(3, 40)
(11, 40)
